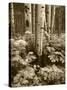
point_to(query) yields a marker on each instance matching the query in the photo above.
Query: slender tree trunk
(12, 20)
(40, 28)
(53, 19)
(43, 20)
(36, 15)
(23, 20)
(45, 23)
(33, 18)
(33, 21)
(49, 19)
(28, 16)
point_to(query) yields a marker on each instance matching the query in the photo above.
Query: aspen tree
(49, 19)
(40, 28)
(28, 21)
(53, 19)
(12, 20)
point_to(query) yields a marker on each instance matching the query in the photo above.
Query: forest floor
(30, 69)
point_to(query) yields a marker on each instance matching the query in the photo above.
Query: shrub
(52, 75)
(25, 72)
(55, 50)
(44, 76)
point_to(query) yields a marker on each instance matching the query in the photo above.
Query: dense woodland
(36, 44)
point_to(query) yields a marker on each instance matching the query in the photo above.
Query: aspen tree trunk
(12, 20)
(23, 20)
(60, 20)
(33, 18)
(40, 28)
(28, 20)
(36, 18)
(53, 19)
(45, 18)
(49, 19)
(33, 21)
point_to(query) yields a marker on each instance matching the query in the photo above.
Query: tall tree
(33, 18)
(40, 27)
(49, 19)
(12, 20)
(45, 19)
(28, 21)
(53, 19)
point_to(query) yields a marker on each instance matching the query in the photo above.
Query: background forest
(36, 44)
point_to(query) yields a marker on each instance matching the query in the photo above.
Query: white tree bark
(45, 19)
(33, 18)
(33, 21)
(49, 19)
(28, 17)
(40, 28)
(12, 20)
(53, 19)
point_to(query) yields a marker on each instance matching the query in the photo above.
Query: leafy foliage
(56, 49)
(25, 72)
(47, 75)
(52, 74)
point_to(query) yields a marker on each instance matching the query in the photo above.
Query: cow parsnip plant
(25, 73)
(55, 50)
